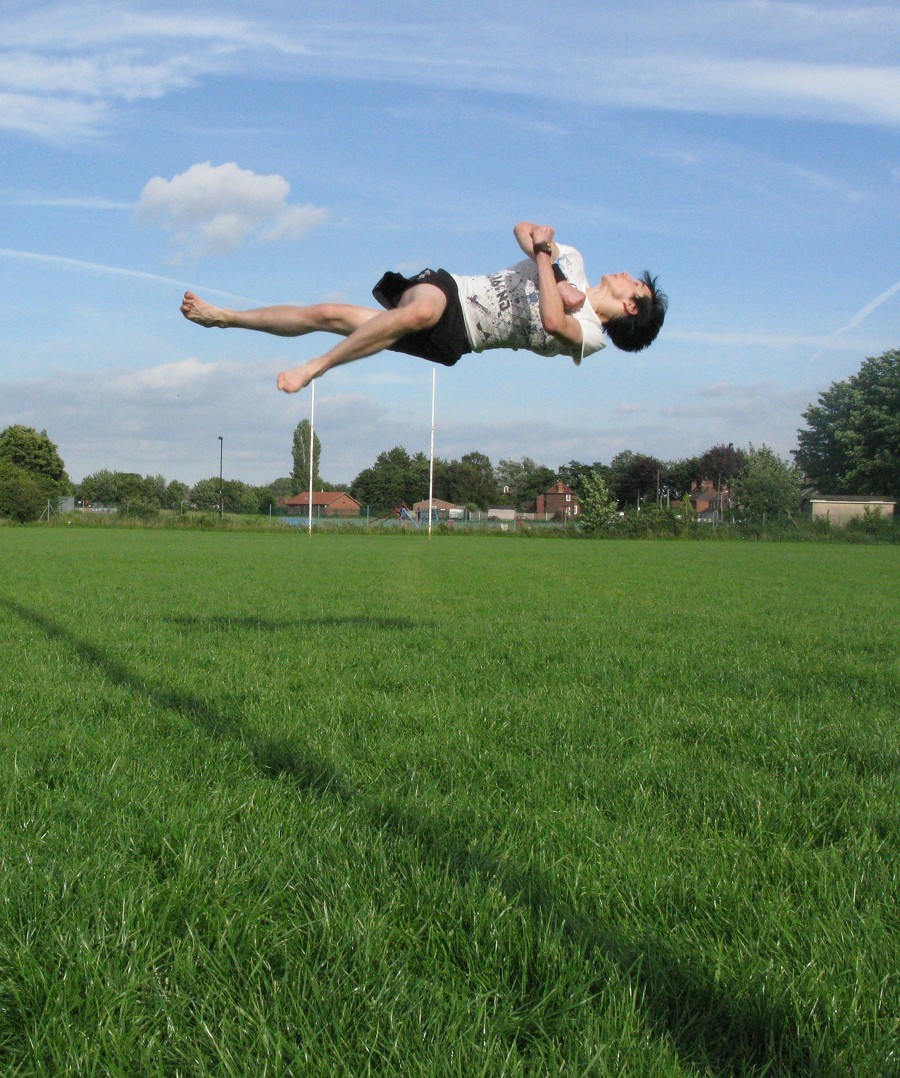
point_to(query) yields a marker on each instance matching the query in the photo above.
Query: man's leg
(283, 321)
(420, 307)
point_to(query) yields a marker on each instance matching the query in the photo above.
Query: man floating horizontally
(542, 303)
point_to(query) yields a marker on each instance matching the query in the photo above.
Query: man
(542, 303)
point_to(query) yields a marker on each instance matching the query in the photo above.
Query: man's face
(623, 286)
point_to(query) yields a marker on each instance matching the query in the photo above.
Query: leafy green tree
(598, 504)
(471, 480)
(24, 494)
(522, 480)
(237, 497)
(575, 472)
(26, 448)
(767, 486)
(205, 494)
(679, 476)
(175, 493)
(481, 482)
(123, 489)
(635, 477)
(240, 497)
(852, 441)
(396, 478)
(721, 463)
(270, 494)
(300, 474)
(100, 487)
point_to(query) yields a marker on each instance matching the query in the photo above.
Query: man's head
(642, 306)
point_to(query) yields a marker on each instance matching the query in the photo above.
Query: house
(842, 508)
(325, 503)
(560, 502)
(443, 510)
(711, 503)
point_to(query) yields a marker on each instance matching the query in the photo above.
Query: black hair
(634, 332)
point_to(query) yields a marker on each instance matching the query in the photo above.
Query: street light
(221, 502)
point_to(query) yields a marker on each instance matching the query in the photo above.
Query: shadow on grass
(680, 1001)
(228, 623)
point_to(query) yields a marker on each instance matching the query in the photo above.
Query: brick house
(325, 503)
(560, 502)
(709, 503)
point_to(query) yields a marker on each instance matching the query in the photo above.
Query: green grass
(353, 804)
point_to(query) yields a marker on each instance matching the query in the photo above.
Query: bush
(653, 522)
(877, 525)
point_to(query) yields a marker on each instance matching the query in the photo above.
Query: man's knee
(329, 315)
(421, 308)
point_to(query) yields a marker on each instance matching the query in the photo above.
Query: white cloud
(186, 377)
(213, 209)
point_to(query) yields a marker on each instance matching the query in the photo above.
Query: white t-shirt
(502, 310)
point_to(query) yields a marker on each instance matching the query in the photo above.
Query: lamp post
(221, 502)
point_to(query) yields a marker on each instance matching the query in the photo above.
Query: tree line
(851, 445)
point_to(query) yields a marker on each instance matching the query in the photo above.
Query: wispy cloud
(79, 266)
(75, 202)
(69, 68)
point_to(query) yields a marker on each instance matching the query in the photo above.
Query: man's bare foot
(197, 310)
(298, 378)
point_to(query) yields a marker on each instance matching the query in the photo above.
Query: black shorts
(444, 342)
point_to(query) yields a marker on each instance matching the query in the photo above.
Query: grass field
(348, 805)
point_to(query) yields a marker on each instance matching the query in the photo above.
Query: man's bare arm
(554, 318)
(524, 233)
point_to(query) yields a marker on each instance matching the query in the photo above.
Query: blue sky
(744, 150)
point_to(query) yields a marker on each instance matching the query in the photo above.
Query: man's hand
(528, 234)
(572, 297)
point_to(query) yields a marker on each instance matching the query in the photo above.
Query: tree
(852, 441)
(482, 489)
(721, 463)
(396, 478)
(575, 472)
(205, 494)
(635, 477)
(522, 480)
(26, 448)
(175, 493)
(300, 474)
(680, 475)
(767, 486)
(123, 489)
(598, 505)
(24, 494)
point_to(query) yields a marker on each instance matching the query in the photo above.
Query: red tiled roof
(320, 497)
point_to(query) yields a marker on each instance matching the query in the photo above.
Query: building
(325, 503)
(443, 510)
(842, 508)
(560, 502)
(711, 505)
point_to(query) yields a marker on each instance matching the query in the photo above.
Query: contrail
(116, 271)
(859, 317)
(866, 311)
